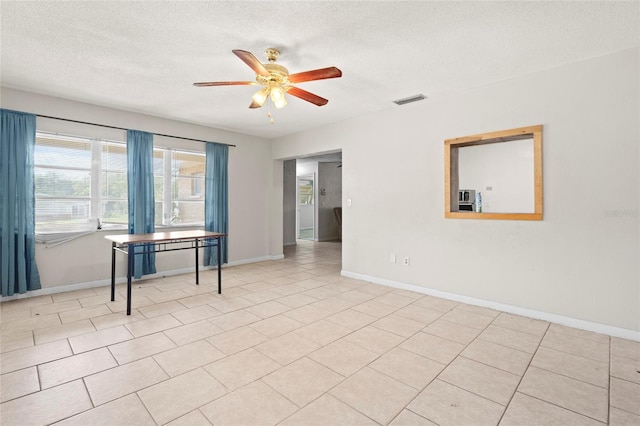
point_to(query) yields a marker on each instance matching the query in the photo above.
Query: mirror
(496, 175)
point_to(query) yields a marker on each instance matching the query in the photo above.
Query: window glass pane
(114, 185)
(61, 214)
(62, 183)
(158, 162)
(115, 212)
(305, 191)
(62, 152)
(114, 157)
(187, 212)
(159, 206)
(187, 188)
(187, 164)
(158, 187)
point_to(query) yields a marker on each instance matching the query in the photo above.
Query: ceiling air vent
(410, 99)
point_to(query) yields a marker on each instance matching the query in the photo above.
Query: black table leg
(130, 263)
(219, 267)
(113, 271)
(197, 269)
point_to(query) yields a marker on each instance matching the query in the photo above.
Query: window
(305, 190)
(183, 173)
(187, 181)
(79, 180)
(62, 174)
(113, 184)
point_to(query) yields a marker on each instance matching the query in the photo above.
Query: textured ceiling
(143, 56)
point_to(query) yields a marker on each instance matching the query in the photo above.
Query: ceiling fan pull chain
(271, 121)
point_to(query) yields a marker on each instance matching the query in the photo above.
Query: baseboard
(290, 244)
(122, 280)
(530, 313)
(335, 238)
(255, 260)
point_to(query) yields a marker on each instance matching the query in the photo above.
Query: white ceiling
(144, 56)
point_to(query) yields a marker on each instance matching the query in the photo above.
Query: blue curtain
(18, 269)
(141, 196)
(216, 200)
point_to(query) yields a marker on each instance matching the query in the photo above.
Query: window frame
(96, 198)
(451, 147)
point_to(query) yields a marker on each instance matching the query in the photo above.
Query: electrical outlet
(392, 258)
(405, 261)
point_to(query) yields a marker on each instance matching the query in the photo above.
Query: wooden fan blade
(320, 74)
(307, 96)
(252, 61)
(254, 104)
(225, 83)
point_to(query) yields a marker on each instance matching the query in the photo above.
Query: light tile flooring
(292, 342)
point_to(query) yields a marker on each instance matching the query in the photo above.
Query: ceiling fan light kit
(277, 81)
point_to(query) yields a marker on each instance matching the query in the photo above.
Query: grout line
(560, 406)
(524, 374)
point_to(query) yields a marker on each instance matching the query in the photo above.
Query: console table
(160, 242)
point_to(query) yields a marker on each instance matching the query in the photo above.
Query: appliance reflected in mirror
(466, 196)
(466, 207)
(466, 200)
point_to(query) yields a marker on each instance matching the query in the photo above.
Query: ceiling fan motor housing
(278, 75)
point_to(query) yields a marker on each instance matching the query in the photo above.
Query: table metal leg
(113, 271)
(130, 263)
(197, 268)
(219, 267)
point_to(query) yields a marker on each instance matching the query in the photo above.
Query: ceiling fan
(276, 80)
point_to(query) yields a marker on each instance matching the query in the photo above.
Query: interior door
(306, 207)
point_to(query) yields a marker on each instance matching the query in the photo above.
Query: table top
(159, 237)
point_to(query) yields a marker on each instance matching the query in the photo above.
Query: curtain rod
(122, 128)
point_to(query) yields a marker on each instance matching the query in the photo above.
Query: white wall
(502, 173)
(580, 262)
(88, 259)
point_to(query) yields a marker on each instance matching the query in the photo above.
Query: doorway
(311, 188)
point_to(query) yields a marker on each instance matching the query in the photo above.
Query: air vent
(410, 99)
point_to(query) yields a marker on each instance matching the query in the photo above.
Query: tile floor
(292, 342)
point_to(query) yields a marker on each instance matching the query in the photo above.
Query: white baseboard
(335, 238)
(255, 259)
(530, 313)
(122, 280)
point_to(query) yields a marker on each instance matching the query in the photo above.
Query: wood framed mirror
(505, 167)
